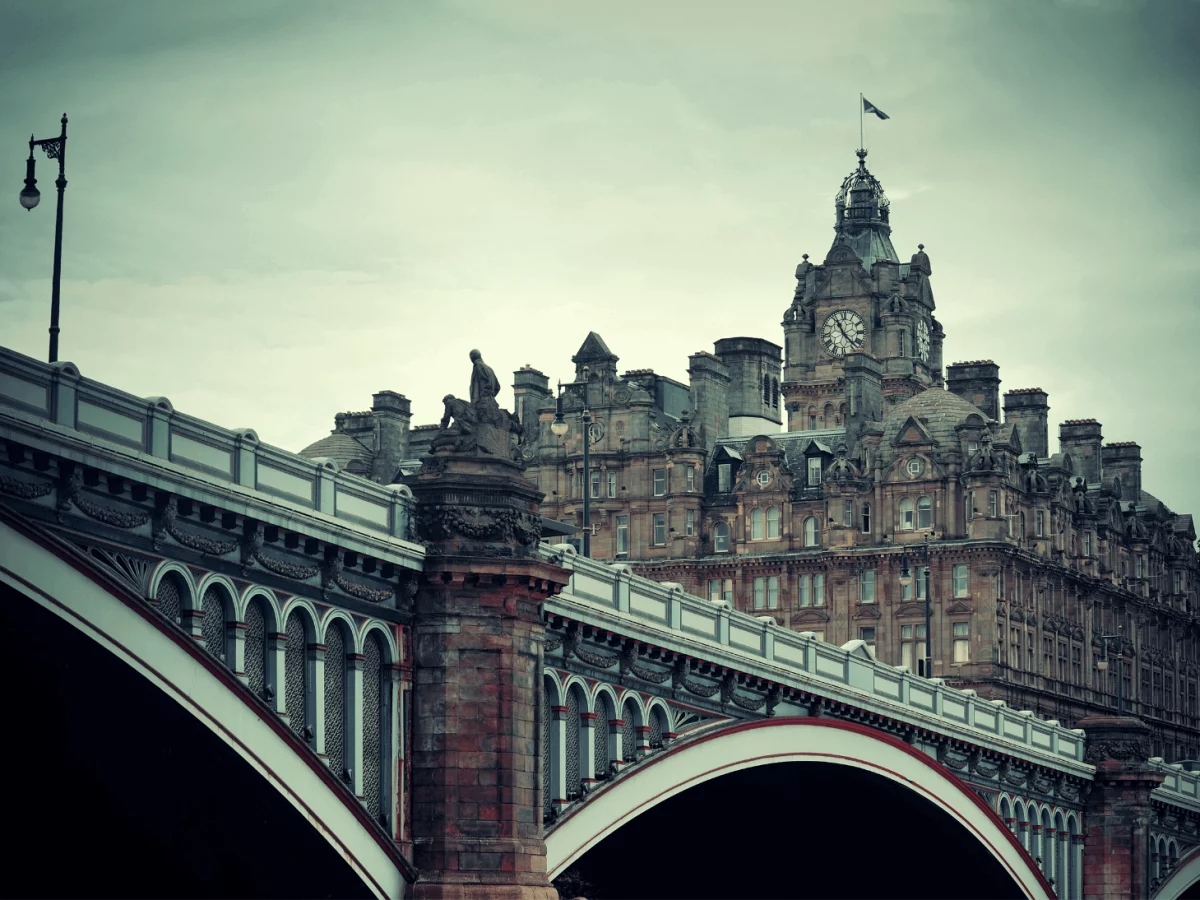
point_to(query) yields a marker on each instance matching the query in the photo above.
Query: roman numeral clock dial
(843, 332)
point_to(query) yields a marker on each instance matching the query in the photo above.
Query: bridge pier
(1116, 854)
(477, 648)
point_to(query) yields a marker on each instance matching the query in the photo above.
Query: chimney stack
(1081, 438)
(1029, 409)
(977, 382)
(709, 377)
(393, 414)
(1124, 459)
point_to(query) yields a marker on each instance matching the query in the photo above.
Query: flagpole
(860, 125)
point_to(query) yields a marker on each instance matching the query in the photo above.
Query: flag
(869, 107)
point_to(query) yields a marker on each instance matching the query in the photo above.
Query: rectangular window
(866, 586)
(1087, 543)
(612, 485)
(660, 482)
(773, 592)
(962, 587)
(723, 478)
(691, 478)
(867, 635)
(727, 595)
(906, 591)
(622, 535)
(1077, 665)
(1176, 582)
(962, 642)
(760, 592)
(912, 648)
(714, 589)
(924, 513)
(818, 590)
(993, 504)
(866, 518)
(906, 515)
(595, 484)
(1039, 523)
(805, 591)
(1139, 565)
(660, 529)
(848, 513)
(814, 471)
(922, 582)
(689, 522)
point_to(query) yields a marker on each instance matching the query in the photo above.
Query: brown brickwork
(476, 789)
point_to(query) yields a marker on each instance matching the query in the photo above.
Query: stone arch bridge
(396, 691)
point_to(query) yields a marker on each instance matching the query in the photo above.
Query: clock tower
(861, 299)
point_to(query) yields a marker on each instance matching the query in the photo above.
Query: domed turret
(862, 211)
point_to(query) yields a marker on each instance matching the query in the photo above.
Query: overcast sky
(277, 208)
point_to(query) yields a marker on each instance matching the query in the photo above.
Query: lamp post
(56, 148)
(560, 428)
(906, 579)
(1102, 665)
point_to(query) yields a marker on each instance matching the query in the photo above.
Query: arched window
(756, 525)
(766, 391)
(773, 522)
(376, 731)
(812, 418)
(336, 732)
(924, 513)
(604, 714)
(213, 623)
(721, 538)
(574, 782)
(841, 414)
(866, 518)
(295, 668)
(775, 392)
(548, 742)
(257, 674)
(828, 423)
(170, 595)
(629, 731)
(810, 531)
(906, 514)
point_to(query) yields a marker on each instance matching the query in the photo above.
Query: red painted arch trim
(882, 737)
(119, 591)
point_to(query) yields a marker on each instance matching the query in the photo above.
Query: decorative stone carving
(24, 490)
(480, 426)
(70, 493)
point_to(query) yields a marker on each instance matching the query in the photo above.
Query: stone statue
(480, 426)
(484, 383)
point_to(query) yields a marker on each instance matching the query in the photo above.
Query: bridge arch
(60, 581)
(746, 745)
(1183, 879)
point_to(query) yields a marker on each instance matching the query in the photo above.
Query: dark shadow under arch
(117, 791)
(792, 829)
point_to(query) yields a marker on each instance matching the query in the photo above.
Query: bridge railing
(1180, 787)
(666, 607)
(56, 393)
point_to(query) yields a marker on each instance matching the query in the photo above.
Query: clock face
(843, 332)
(923, 340)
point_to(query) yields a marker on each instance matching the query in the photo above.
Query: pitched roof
(592, 349)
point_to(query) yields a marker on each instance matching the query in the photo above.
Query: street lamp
(56, 148)
(559, 429)
(906, 579)
(1102, 664)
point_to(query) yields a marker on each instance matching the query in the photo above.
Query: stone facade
(1033, 555)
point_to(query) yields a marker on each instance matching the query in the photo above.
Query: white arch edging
(38, 574)
(776, 741)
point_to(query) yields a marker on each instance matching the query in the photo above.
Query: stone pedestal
(1116, 854)
(476, 783)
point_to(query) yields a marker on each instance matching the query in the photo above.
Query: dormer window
(814, 471)
(724, 478)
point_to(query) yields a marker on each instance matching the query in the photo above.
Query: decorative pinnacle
(806, 257)
(920, 246)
